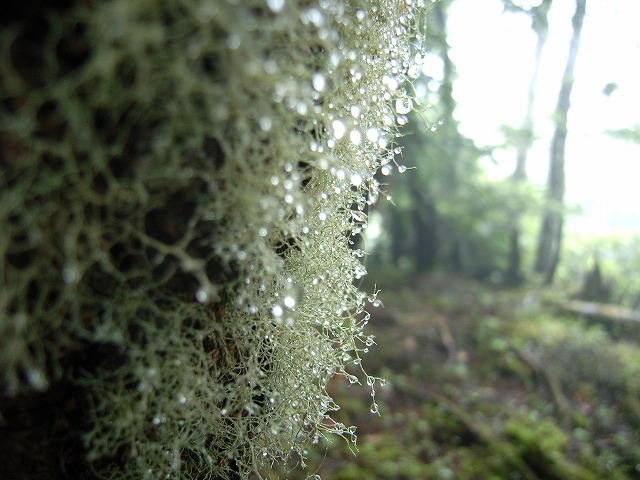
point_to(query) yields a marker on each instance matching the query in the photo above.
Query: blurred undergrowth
(491, 384)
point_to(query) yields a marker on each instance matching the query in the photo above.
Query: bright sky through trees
(493, 54)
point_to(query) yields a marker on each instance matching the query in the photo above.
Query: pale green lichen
(180, 186)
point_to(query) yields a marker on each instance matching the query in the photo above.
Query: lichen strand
(180, 184)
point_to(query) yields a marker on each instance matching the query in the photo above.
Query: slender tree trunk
(550, 239)
(425, 223)
(540, 25)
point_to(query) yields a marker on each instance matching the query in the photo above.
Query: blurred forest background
(507, 253)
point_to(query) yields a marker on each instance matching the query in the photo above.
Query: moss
(180, 183)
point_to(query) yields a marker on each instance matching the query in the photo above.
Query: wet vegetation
(486, 383)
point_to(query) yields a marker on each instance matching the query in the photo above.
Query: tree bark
(550, 239)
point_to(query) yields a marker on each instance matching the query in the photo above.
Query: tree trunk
(550, 238)
(540, 25)
(425, 223)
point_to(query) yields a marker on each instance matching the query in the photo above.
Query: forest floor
(483, 383)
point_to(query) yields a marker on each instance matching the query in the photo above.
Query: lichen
(180, 187)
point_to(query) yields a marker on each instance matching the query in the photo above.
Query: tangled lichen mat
(181, 183)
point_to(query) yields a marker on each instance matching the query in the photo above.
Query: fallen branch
(604, 311)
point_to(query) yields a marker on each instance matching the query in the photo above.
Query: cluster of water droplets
(267, 120)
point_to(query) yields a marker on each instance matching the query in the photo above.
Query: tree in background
(447, 213)
(550, 237)
(523, 137)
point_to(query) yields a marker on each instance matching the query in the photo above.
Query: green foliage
(179, 185)
(618, 256)
(628, 134)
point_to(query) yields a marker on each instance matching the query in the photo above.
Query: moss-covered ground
(484, 383)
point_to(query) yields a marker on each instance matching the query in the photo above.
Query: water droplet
(404, 105)
(69, 274)
(275, 180)
(319, 82)
(234, 41)
(277, 311)
(301, 108)
(355, 136)
(339, 129)
(402, 168)
(37, 379)
(355, 111)
(275, 5)
(265, 123)
(314, 16)
(385, 170)
(372, 134)
(356, 179)
(322, 216)
(390, 82)
(201, 295)
(158, 420)
(289, 301)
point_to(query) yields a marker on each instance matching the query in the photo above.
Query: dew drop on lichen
(201, 295)
(277, 311)
(403, 105)
(36, 379)
(265, 123)
(373, 134)
(233, 41)
(275, 5)
(356, 179)
(355, 136)
(339, 129)
(69, 274)
(319, 82)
